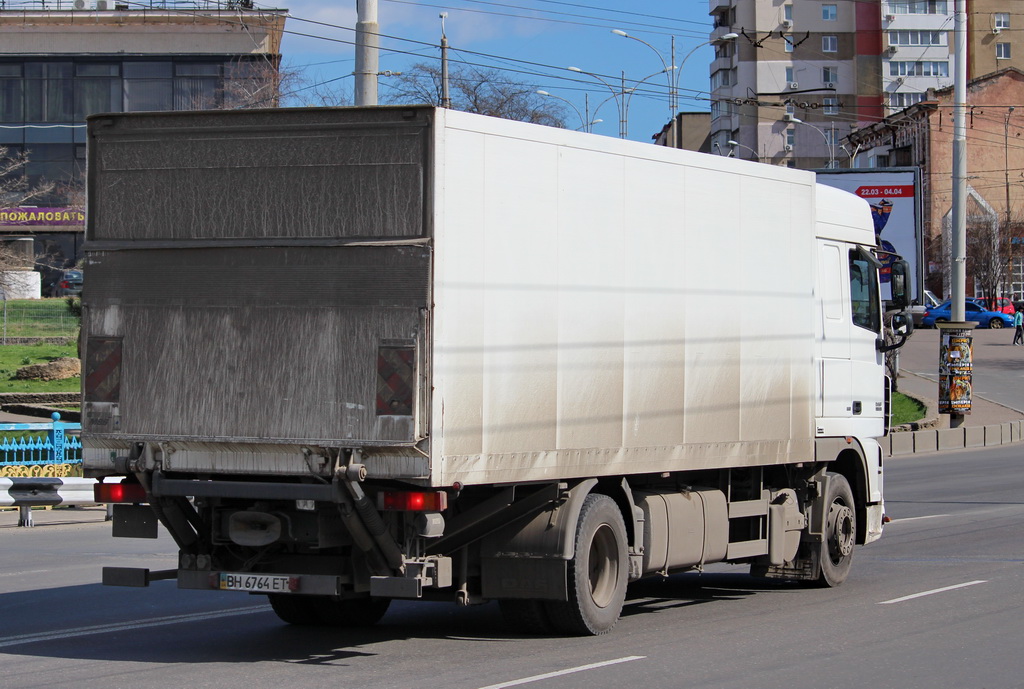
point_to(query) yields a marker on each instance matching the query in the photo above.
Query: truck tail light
(119, 492)
(413, 501)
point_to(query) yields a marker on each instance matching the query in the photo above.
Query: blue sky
(534, 40)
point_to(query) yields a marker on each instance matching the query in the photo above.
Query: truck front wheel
(840, 532)
(598, 571)
(328, 611)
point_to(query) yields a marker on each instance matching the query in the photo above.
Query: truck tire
(328, 611)
(297, 610)
(840, 532)
(597, 573)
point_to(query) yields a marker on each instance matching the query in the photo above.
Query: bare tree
(483, 91)
(992, 246)
(15, 189)
(16, 255)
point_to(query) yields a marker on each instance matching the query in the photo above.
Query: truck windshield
(864, 293)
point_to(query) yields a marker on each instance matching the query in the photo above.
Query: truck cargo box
(464, 299)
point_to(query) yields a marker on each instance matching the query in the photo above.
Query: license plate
(266, 583)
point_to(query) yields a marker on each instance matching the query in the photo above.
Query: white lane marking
(125, 626)
(933, 591)
(549, 675)
(914, 519)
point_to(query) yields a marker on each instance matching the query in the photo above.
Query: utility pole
(956, 344)
(1006, 162)
(367, 52)
(446, 98)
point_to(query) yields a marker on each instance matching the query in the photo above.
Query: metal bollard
(25, 515)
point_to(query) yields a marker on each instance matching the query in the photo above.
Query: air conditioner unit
(101, 4)
(890, 17)
(788, 117)
(794, 85)
(830, 84)
(787, 148)
(79, 4)
(893, 50)
(788, 23)
(998, 30)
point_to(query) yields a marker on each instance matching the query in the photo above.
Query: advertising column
(956, 361)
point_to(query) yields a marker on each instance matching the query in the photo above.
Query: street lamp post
(586, 124)
(734, 144)
(672, 70)
(828, 144)
(666, 68)
(622, 96)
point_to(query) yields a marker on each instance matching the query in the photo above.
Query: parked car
(1000, 304)
(972, 312)
(920, 306)
(67, 284)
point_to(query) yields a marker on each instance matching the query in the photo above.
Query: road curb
(941, 439)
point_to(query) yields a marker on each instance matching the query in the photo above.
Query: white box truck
(351, 355)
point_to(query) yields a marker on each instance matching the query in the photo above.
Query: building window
(148, 86)
(790, 137)
(918, 69)
(720, 78)
(1001, 20)
(790, 75)
(48, 92)
(196, 86)
(829, 44)
(898, 101)
(917, 7)
(788, 44)
(97, 89)
(787, 12)
(830, 75)
(11, 97)
(881, 161)
(830, 105)
(829, 13)
(917, 38)
(1002, 51)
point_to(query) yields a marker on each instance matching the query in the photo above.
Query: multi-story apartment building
(65, 59)
(833, 65)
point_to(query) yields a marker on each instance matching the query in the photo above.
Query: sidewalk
(996, 409)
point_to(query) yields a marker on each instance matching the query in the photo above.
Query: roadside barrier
(45, 491)
(58, 453)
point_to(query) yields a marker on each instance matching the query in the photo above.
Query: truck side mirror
(902, 326)
(900, 279)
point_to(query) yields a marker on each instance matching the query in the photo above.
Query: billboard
(895, 198)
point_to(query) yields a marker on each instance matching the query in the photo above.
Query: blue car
(972, 312)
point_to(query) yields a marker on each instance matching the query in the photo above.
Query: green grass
(13, 357)
(38, 318)
(906, 409)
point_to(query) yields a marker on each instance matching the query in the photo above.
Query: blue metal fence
(57, 453)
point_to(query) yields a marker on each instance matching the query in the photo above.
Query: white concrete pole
(367, 52)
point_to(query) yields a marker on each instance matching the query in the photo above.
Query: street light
(828, 144)
(734, 144)
(583, 121)
(673, 79)
(666, 68)
(621, 96)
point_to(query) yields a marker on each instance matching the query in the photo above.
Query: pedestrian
(1018, 328)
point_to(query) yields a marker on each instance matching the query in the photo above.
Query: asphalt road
(935, 603)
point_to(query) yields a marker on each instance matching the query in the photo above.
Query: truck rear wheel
(840, 532)
(328, 611)
(598, 572)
